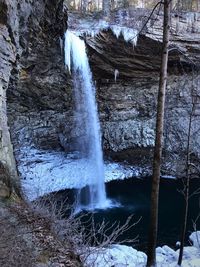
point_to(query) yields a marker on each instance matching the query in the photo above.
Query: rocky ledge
(127, 85)
(39, 91)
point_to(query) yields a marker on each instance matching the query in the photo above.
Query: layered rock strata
(128, 103)
(40, 98)
(31, 46)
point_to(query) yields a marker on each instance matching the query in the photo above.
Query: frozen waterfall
(87, 123)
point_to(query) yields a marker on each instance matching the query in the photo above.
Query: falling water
(87, 123)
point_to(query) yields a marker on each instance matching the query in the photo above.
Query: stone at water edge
(195, 238)
(117, 255)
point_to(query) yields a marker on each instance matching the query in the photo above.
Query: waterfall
(86, 123)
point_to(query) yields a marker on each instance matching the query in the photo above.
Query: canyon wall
(128, 102)
(8, 53)
(40, 99)
(30, 45)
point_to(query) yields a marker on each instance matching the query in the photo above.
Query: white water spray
(87, 122)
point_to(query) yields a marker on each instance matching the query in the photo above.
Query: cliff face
(128, 105)
(8, 52)
(129, 125)
(31, 71)
(37, 88)
(40, 100)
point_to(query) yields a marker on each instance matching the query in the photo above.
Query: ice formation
(129, 34)
(116, 74)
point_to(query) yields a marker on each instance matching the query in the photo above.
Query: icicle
(68, 50)
(116, 30)
(129, 35)
(116, 74)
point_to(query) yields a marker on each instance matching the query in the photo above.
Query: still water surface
(134, 198)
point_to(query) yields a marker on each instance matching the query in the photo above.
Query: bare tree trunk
(84, 4)
(106, 8)
(187, 185)
(198, 5)
(188, 5)
(151, 255)
(191, 5)
(178, 5)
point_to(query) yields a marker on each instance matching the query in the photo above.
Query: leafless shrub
(104, 235)
(48, 206)
(84, 238)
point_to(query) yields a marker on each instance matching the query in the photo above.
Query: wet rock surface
(129, 131)
(108, 53)
(38, 85)
(40, 98)
(33, 81)
(7, 61)
(128, 102)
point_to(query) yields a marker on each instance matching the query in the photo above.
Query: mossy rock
(5, 191)
(43, 257)
(5, 182)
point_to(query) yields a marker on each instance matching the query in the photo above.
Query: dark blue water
(134, 198)
(133, 195)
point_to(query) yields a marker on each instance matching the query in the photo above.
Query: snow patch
(116, 255)
(43, 172)
(121, 256)
(195, 238)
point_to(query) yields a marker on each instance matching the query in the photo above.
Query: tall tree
(106, 8)
(151, 255)
(84, 4)
(198, 5)
(178, 5)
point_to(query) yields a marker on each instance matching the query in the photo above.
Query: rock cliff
(128, 105)
(31, 71)
(38, 88)
(37, 93)
(126, 79)
(7, 61)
